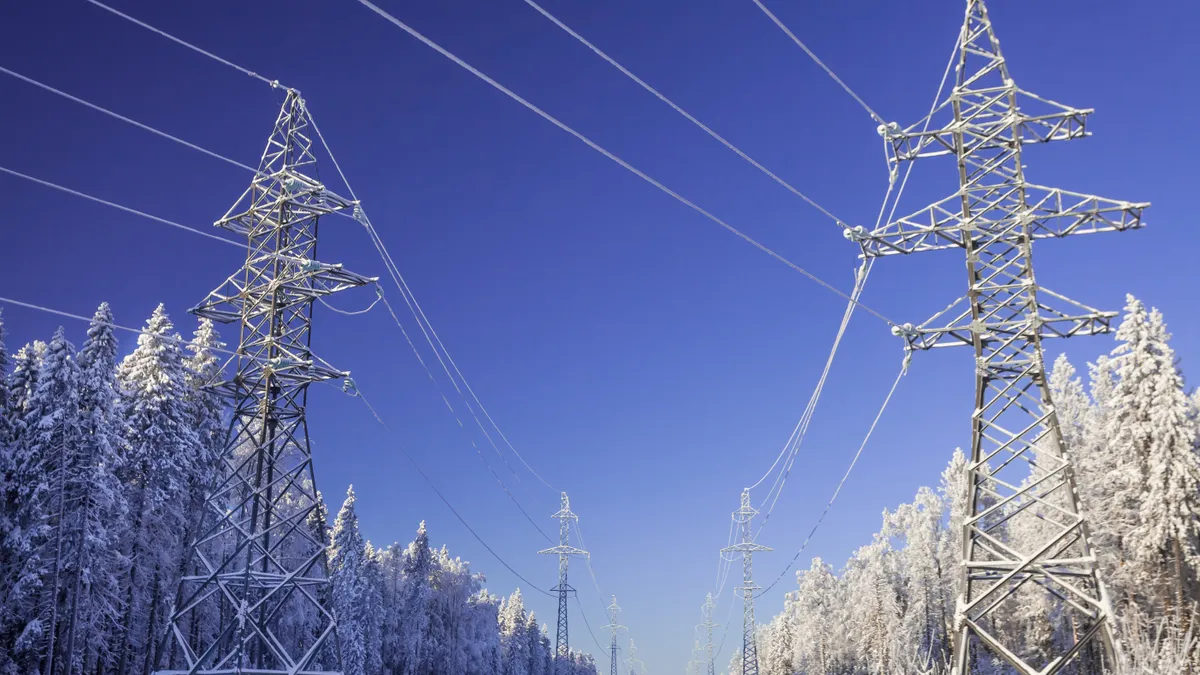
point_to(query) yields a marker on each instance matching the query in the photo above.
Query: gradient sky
(641, 358)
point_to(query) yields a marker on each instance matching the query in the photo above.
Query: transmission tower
(259, 558)
(696, 662)
(635, 665)
(1020, 477)
(564, 551)
(744, 517)
(708, 626)
(613, 611)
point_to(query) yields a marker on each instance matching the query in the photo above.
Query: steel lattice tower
(564, 551)
(744, 518)
(708, 627)
(1020, 477)
(613, 611)
(693, 667)
(632, 661)
(261, 552)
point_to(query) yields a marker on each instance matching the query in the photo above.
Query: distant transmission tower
(613, 611)
(635, 665)
(695, 664)
(708, 626)
(259, 559)
(1020, 477)
(744, 517)
(564, 551)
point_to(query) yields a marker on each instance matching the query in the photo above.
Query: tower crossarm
(983, 129)
(269, 283)
(564, 551)
(981, 214)
(1057, 316)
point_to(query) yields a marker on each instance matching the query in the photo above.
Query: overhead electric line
(115, 205)
(106, 111)
(92, 319)
(185, 43)
(800, 43)
(436, 491)
(210, 153)
(849, 469)
(626, 165)
(683, 112)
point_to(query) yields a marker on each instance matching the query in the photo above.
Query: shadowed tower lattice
(747, 547)
(255, 597)
(564, 551)
(1025, 543)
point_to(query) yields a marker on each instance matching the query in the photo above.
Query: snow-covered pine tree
(918, 532)
(202, 368)
(157, 463)
(373, 576)
(93, 560)
(43, 465)
(415, 593)
(516, 648)
(820, 637)
(1149, 422)
(6, 424)
(539, 647)
(351, 588)
(19, 388)
(391, 561)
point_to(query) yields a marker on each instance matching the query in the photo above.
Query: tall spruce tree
(94, 562)
(351, 588)
(43, 462)
(1151, 426)
(157, 463)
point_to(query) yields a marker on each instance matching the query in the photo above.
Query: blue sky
(640, 357)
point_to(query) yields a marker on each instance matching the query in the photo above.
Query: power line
(845, 476)
(125, 119)
(683, 112)
(585, 622)
(626, 165)
(90, 319)
(273, 83)
(435, 342)
(802, 426)
(114, 205)
(457, 419)
(178, 225)
(819, 62)
(436, 491)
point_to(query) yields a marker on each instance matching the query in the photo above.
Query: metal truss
(613, 611)
(564, 551)
(708, 626)
(259, 561)
(744, 518)
(1024, 538)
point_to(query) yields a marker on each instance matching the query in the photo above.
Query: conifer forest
(104, 460)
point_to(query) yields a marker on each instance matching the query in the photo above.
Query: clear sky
(641, 358)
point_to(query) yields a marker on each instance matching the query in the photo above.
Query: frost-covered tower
(613, 611)
(1019, 477)
(744, 517)
(258, 566)
(707, 627)
(564, 551)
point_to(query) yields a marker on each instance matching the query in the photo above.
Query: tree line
(1132, 434)
(104, 463)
